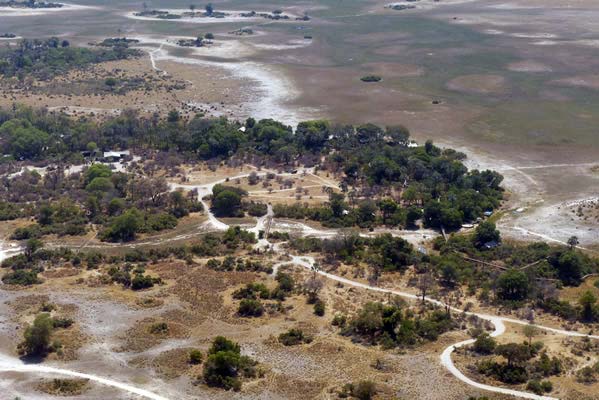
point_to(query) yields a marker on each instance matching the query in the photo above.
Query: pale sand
(25, 12)
(528, 66)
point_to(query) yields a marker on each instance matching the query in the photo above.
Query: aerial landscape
(299, 199)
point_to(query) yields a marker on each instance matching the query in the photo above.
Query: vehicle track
(8, 363)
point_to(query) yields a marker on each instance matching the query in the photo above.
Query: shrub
(195, 357)
(363, 390)
(62, 322)
(319, 308)
(161, 221)
(339, 320)
(225, 365)
(484, 344)
(539, 387)
(250, 308)
(140, 282)
(159, 328)
(371, 78)
(294, 337)
(37, 336)
(286, 282)
(21, 277)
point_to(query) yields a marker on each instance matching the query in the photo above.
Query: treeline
(393, 325)
(25, 267)
(383, 253)
(524, 276)
(418, 182)
(46, 59)
(123, 204)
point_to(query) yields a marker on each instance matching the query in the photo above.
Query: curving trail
(446, 361)
(8, 363)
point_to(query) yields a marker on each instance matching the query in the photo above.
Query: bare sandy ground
(528, 66)
(481, 84)
(26, 12)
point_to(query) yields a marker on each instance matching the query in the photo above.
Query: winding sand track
(8, 363)
(16, 365)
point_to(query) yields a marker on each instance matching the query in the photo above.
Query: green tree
(97, 171)
(484, 233)
(124, 227)
(588, 303)
(37, 336)
(22, 139)
(484, 344)
(514, 353)
(513, 285)
(226, 203)
(32, 246)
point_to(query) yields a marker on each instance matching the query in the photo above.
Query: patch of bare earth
(528, 66)
(479, 84)
(585, 81)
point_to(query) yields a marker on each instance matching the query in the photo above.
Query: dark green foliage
(371, 78)
(294, 337)
(390, 326)
(589, 311)
(21, 139)
(47, 59)
(513, 285)
(141, 282)
(252, 291)
(37, 336)
(319, 308)
(484, 344)
(286, 282)
(124, 227)
(225, 365)
(486, 232)
(226, 201)
(539, 387)
(385, 251)
(195, 357)
(250, 308)
(21, 277)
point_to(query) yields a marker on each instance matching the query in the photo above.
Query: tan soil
(480, 84)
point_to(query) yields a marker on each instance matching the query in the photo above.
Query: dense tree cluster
(383, 252)
(45, 59)
(524, 362)
(393, 325)
(405, 179)
(225, 366)
(123, 204)
(26, 267)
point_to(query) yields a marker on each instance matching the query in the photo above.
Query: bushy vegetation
(38, 336)
(225, 366)
(128, 269)
(401, 179)
(384, 252)
(45, 59)
(294, 337)
(124, 204)
(363, 390)
(392, 325)
(524, 363)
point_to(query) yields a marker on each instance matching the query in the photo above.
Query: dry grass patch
(64, 387)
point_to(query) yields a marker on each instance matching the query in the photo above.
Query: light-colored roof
(116, 153)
